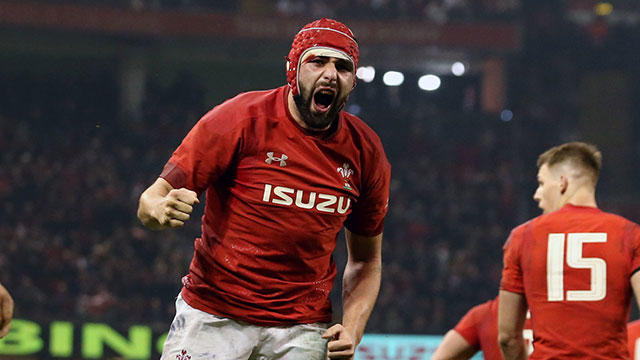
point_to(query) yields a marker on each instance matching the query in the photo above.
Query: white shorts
(195, 335)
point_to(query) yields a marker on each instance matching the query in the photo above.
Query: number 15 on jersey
(572, 244)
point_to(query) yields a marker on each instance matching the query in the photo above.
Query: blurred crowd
(440, 11)
(71, 172)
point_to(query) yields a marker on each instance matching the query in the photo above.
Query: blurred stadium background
(96, 94)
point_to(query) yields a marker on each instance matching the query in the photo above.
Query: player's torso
(280, 208)
(287, 180)
(576, 267)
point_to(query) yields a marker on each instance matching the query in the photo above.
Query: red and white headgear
(324, 37)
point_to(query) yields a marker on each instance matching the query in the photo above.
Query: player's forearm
(361, 284)
(512, 346)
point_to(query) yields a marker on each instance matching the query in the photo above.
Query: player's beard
(316, 121)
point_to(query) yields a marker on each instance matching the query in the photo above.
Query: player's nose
(330, 72)
(536, 195)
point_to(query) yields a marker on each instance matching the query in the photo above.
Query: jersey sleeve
(367, 216)
(467, 327)
(206, 152)
(512, 271)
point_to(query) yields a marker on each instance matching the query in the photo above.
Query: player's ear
(564, 184)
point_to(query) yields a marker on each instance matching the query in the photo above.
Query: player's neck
(583, 196)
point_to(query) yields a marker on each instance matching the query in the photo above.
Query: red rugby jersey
(573, 266)
(633, 336)
(277, 196)
(479, 326)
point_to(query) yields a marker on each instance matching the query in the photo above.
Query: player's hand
(6, 311)
(341, 344)
(175, 208)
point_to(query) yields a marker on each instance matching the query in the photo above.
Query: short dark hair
(584, 155)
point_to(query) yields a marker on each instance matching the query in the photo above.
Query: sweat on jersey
(574, 267)
(277, 196)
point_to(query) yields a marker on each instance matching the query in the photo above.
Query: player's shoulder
(480, 312)
(635, 324)
(585, 213)
(255, 97)
(361, 132)
(519, 231)
(620, 219)
(486, 307)
(244, 107)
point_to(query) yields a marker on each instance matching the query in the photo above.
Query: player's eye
(343, 66)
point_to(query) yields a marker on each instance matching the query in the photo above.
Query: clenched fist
(175, 208)
(341, 344)
(162, 206)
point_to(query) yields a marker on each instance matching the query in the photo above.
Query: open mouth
(323, 99)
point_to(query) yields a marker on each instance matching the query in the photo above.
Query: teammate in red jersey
(284, 170)
(477, 331)
(6, 311)
(633, 337)
(574, 266)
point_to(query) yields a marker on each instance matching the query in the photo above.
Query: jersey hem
(192, 300)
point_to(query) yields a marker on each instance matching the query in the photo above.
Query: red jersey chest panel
(297, 174)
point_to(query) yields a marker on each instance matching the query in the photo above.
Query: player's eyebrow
(345, 63)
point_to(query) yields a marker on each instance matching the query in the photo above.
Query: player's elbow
(509, 339)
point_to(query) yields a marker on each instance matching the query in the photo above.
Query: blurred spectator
(439, 11)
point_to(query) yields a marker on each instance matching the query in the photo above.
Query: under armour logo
(270, 158)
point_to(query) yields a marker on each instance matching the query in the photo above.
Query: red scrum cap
(324, 37)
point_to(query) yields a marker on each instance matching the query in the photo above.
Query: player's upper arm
(364, 248)
(512, 279)
(368, 212)
(208, 150)
(512, 311)
(454, 347)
